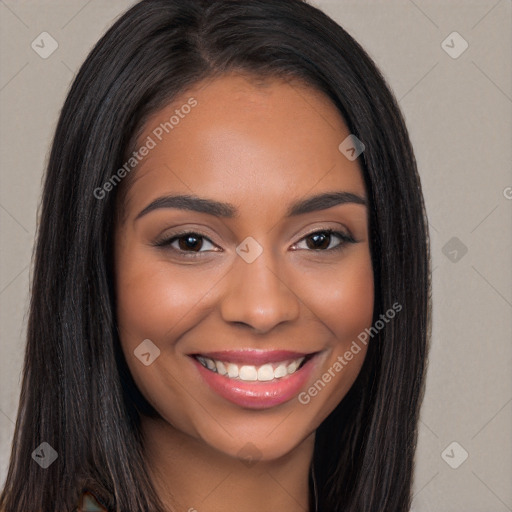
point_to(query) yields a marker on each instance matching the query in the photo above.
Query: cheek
(345, 306)
(152, 301)
(345, 299)
(159, 302)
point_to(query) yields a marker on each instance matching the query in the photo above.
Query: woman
(231, 297)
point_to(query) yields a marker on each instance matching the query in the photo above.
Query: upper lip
(254, 357)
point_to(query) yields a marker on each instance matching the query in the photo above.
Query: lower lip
(255, 394)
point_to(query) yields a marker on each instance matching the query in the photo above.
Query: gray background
(458, 111)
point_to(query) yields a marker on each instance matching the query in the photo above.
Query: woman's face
(238, 318)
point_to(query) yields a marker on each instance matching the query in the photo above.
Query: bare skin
(261, 149)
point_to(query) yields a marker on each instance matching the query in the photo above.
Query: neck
(192, 476)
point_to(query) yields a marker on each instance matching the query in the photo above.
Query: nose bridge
(257, 294)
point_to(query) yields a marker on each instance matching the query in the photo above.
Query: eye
(321, 240)
(187, 243)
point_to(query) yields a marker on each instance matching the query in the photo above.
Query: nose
(258, 295)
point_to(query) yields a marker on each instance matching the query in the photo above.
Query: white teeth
(263, 373)
(232, 371)
(248, 373)
(292, 367)
(266, 372)
(280, 371)
(221, 368)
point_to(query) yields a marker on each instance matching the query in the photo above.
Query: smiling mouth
(266, 372)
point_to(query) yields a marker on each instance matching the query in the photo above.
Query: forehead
(245, 140)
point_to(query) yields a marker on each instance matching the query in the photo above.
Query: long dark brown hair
(77, 392)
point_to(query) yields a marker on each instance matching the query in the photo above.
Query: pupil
(190, 242)
(322, 246)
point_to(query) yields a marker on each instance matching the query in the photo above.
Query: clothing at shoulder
(89, 503)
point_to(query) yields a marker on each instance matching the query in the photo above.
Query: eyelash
(166, 242)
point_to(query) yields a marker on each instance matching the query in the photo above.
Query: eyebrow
(226, 210)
